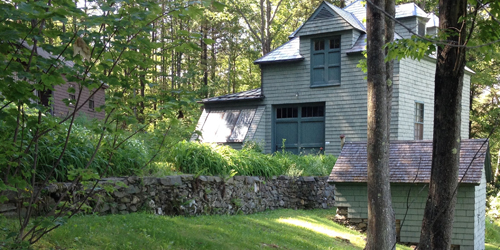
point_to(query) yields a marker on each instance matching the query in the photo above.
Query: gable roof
(327, 12)
(288, 52)
(410, 162)
(433, 21)
(253, 94)
(354, 14)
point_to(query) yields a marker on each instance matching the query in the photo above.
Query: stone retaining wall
(190, 195)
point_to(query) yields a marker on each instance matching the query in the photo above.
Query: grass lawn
(492, 234)
(279, 229)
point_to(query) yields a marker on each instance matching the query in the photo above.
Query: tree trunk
(439, 211)
(381, 232)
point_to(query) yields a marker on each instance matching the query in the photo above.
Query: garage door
(299, 128)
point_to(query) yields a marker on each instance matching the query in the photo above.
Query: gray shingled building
(410, 168)
(312, 91)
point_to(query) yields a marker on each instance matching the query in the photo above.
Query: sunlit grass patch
(278, 229)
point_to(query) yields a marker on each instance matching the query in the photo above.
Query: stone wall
(190, 195)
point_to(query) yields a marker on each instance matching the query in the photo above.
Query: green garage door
(302, 127)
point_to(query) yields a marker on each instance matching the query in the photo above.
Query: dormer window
(421, 28)
(325, 62)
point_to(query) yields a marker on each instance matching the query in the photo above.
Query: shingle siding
(480, 213)
(314, 27)
(409, 22)
(345, 104)
(415, 83)
(410, 200)
(61, 92)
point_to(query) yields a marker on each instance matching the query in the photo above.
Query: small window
(419, 121)
(421, 29)
(319, 45)
(313, 111)
(335, 43)
(282, 113)
(72, 99)
(91, 103)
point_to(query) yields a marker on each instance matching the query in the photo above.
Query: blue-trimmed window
(325, 62)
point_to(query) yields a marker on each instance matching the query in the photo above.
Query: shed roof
(288, 52)
(253, 94)
(410, 162)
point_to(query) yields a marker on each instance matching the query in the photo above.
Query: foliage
(281, 229)
(209, 159)
(122, 56)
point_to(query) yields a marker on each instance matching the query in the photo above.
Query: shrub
(126, 160)
(210, 159)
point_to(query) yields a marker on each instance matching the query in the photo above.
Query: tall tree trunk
(204, 57)
(381, 232)
(439, 211)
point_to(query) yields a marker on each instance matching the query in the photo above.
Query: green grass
(279, 229)
(492, 233)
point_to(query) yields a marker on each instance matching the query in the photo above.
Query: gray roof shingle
(410, 162)
(348, 16)
(254, 94)
(288, 52)
(43, 53)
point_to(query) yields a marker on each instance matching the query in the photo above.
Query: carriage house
(312, 90)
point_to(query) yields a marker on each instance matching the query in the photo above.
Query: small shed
(410, 168)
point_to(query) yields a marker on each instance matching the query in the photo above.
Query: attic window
(421, 28)
(227, 125)
(325, 62)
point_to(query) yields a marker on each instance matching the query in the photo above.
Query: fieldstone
(146, 181)
(124, 212)
(119, 194)
(362, 226)
(122, 207)
(202, 178)
(171, 181)
(132, 190)
(186, 177)
(133, 208)
(104, 208)
(135, 200)
(216, 179)
(132, 179)
(125, 200)
(239, 178)
(355, 220)
(328, 193)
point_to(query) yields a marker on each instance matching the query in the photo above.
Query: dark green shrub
(210, 159)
